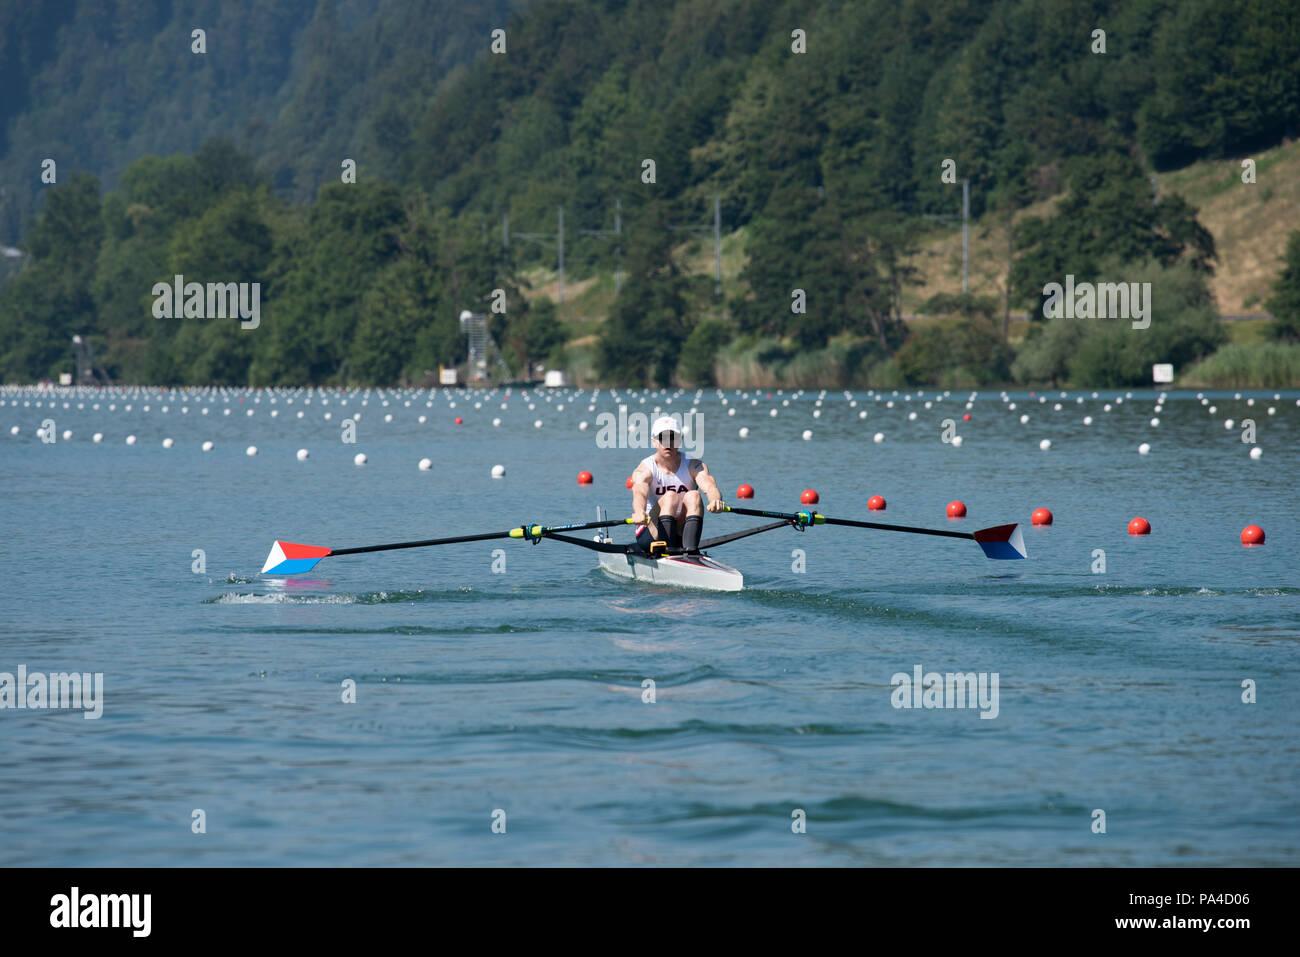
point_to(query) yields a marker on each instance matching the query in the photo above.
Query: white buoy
(422, 419)
(426, 464)
(862, 414)
(956, 441)
(744, 433)
(911, 417)
(207, 446)
(498, 471)
(167, 443)
(130, 440)
(388, 417)
(251, 450)
(807, 434)
(582, 426)
(537, 424)
(359, 458)
(1144, 449)
(878, 437)
(1154, 423)
(1045, 444)
(97, 437)
(1024, 419)
(302, 455)
(496, 422)
(1087, 420)
(67, 434)
(1227, 423)
(1256, 452)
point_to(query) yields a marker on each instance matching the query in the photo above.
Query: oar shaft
(429, 541)
(521, 531)
(815, 518)
(897, 528)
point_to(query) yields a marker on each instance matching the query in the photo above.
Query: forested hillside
(298, 84)
(829, 130)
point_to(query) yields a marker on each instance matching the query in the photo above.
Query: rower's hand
(717, 505)
(638, 518)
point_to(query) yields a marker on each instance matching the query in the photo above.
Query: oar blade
(1002, 542)
(288, 558)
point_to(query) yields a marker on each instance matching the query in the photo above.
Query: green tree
(643, 338)
(1107, 215)
(50, 301)
(1285, 304)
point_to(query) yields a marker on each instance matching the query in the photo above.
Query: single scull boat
(667, 566)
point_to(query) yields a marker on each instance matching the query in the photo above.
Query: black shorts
(645, 537)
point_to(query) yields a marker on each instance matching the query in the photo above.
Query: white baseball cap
(665, 423)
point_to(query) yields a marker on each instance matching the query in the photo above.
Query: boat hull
(684, 571)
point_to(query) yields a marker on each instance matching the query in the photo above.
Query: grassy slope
(1249, 223)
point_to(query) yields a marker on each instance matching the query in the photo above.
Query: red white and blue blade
(286, 558)
(1002, 541)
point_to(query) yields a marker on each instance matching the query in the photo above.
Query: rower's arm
(640, 492)
(706, 483)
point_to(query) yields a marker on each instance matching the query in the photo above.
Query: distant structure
(88, 371)
(481, 351)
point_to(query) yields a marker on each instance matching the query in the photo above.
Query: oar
(289, 558)
(1000, 541)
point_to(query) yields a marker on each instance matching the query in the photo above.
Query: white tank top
(662, 481)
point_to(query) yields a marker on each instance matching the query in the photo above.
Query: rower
(669, 483)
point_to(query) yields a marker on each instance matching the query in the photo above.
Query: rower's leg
(669, 505)
(694, 522)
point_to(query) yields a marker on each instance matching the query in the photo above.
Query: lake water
(521, 690)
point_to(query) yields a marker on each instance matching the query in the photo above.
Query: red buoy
(966, 417)
(584, 478)
(956, 509)
(745, 491)
(629, 481)
(459, 421)
(1252, 535)
(1139, 526)
(1041, 516)
(810, 497)
(876, 503)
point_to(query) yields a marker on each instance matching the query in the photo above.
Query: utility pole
(617, 233)
(965, 234)
(1155, 200)
(716, 228)
(717, 245)
(544, 239)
